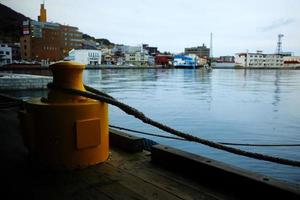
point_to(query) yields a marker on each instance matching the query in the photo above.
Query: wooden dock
(129, 173)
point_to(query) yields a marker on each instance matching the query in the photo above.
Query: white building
(258, 59)
(136, 58)
(5, 54)
(85, 56)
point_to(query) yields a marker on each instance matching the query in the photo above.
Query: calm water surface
(224, 105)
(253, 106)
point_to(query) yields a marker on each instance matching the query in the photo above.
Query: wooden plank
(120, 184)
(125, 141)
(140, 167)
(224, 177)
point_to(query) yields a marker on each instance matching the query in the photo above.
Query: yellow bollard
(63, 130)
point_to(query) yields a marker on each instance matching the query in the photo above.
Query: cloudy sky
(171, 25)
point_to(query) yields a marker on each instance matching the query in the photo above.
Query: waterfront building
(5, 54)
(226, 59)
(85, 56)
(259, 59)
(136, 58)
(164, 60)
(106, 51)
(71, 38)
(151, 60)
(132, 55)
(15, 49)
(223, 62)
(291, 61)
(109, 58)
(133, 49)
(119, 49)
(41, 41)
(200, 51)
(118, 60)
(47, 41)
(202, 61)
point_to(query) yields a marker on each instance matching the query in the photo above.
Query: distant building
(151, 60)
(42, 40)
(106, 51)
(200, 51)
(226, 59)
(164, 60)
(43, 14)
(16, 52)
(70, 38)
(286, 54)
(132, 55)
(119, 49)
(291, 61)
(90, 44)
(5, 54)
(259, 59)
(137, 58)
(134, 49)
(202, 61)
(85, 56)
(152, 51)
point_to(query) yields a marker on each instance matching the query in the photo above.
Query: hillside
(102, 41)
(10, 24)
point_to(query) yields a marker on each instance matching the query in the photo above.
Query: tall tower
(211, 45)
(279, 43)
(43, 13)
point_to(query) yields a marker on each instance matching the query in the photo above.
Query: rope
(225, 143)
(139, 115)
(260, 145)
(145, 133)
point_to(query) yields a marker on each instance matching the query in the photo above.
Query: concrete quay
(9, 81)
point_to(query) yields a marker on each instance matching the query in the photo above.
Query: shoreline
(101, 67)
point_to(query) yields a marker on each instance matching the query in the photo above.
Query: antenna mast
(211, 45)
(279, 44)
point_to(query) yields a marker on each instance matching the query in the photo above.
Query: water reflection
(276, 91)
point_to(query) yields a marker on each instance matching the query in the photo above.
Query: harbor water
(222, 105)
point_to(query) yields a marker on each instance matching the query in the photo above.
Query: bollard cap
(67, 65)
(67, 74)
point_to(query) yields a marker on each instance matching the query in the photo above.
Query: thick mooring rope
(97, 95)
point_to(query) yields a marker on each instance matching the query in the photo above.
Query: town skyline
(131, 23)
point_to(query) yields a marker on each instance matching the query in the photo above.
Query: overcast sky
(171, 25)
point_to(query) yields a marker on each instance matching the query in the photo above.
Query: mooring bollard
(65, 131)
